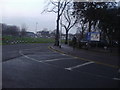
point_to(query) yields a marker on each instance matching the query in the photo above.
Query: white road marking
(119, 71)
(46, 53)
(70, 68)
(116, 78)
(42, 60)
(38, 60)
(55, 59)
(28, 57)
(76, 57)
(64, 54)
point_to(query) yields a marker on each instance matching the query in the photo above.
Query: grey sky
(18, 12)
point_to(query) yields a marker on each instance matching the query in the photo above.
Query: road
(37, 66)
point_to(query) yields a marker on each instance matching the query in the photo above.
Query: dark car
(102, 43)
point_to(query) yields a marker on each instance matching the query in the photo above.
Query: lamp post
(36, 27)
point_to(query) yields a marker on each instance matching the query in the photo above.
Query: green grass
(8, 39)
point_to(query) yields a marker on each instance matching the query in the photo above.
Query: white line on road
(70, 67)
(76, 57)
(64, 54)
(55, 59)
(28, 57)
(42, 60)
(77, 66)
(116, 78)
(38, 60)
(119, 71)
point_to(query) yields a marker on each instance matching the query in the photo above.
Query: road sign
(93, 36)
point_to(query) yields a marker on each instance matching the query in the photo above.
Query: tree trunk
(57, 34)
(57, 30)
(90, 24)
(89, 30)
(66, 38)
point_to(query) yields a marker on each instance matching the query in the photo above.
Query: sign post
(93, 36)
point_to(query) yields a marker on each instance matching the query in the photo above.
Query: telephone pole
(36, 27)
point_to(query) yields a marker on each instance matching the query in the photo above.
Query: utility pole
(36, 27)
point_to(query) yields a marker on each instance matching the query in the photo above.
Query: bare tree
(58, 7)
(81, 28)
(69, 21)
(10, 30)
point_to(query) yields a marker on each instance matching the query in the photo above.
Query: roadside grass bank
(6, 40)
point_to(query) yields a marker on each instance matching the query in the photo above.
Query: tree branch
(73, 24)
(64, 5)
(54, 3)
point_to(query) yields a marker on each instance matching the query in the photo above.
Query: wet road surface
(37, 66)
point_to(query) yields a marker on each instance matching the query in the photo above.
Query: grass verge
(6, 40)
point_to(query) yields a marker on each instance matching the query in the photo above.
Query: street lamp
(36, 27)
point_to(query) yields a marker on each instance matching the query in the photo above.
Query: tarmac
(40, 66)
(100, 56)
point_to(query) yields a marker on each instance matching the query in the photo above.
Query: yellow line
(113, 66)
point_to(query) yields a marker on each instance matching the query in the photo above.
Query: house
(30, 34)
(44, 34)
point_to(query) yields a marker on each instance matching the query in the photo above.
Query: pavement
(97, 55)
(39, 66)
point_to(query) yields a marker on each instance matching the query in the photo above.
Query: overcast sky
(18, 12)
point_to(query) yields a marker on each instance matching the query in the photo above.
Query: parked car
(88, 44)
